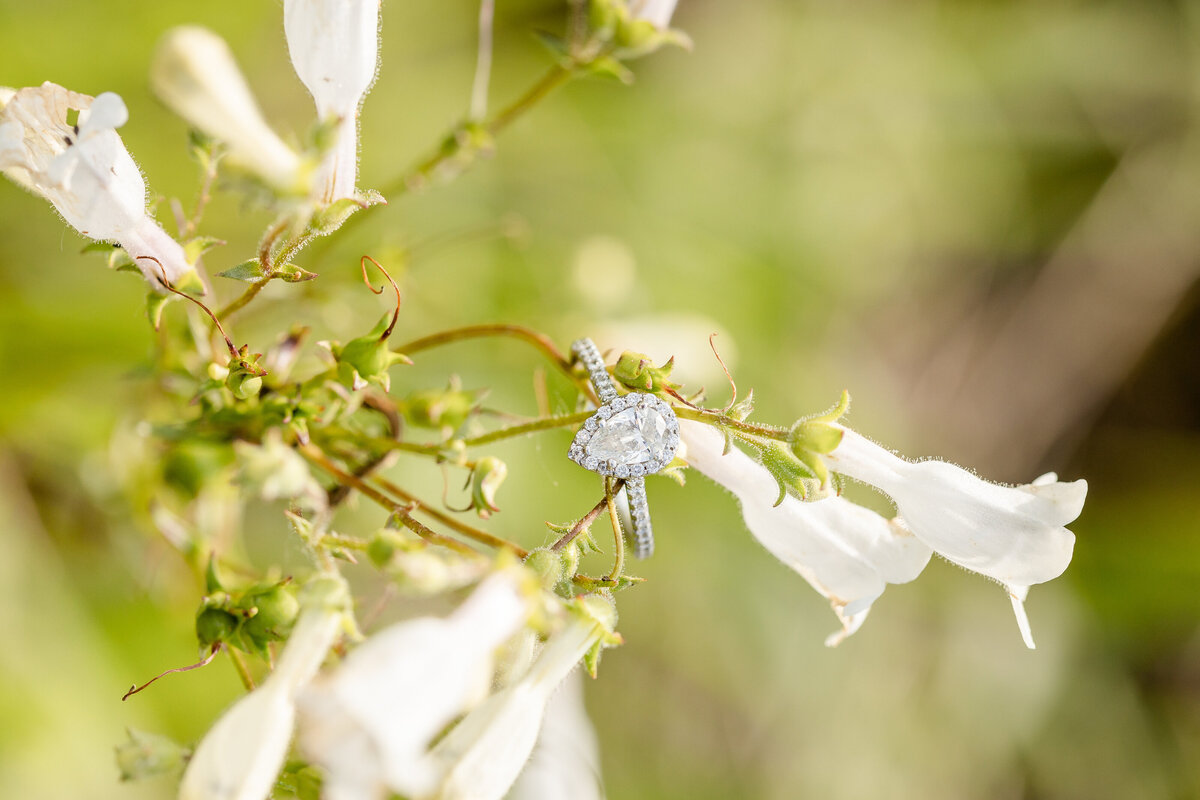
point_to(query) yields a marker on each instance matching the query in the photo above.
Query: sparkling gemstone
(636, 435)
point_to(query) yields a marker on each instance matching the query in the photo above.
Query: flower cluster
(1013, 535)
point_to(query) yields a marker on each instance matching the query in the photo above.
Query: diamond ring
(630, 436)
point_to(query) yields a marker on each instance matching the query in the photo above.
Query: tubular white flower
(334, 46)
(482, 756)
(847, 553)
(195, 75)
(656, 12)
(85, 172)
(566, 761)
(242, 754)
(1012, 534)
(370, 723)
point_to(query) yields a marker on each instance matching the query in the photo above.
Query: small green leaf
(155, 303)
(557, 46)
(197, 247)
(99, 247)
(292, 273)
(249, 271)
(609, 67)
(147, 755)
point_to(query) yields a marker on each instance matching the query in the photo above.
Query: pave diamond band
(591, 359)
(630, 436)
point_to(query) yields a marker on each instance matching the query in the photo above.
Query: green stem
(450, 522)
(717, 418)
(618, 536)
(554, 78)
(539, 341)
(240, 667)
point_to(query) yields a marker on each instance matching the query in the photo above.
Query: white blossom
(847, 553)
(195, 75)
(656, 12)
(334, 47)
(240, 757)
(85, 172)
(566, 760)
(1012, 534)
(481, 757)
(370, 723)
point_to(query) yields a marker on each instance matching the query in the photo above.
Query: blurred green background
(979, 217)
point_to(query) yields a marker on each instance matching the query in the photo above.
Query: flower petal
(1011, 534)
(847, 553)
(373, 719)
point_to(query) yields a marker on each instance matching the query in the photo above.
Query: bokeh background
(982, 218)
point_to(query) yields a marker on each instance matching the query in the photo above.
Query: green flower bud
(369, 356)
(637, 371)
(603, 16)
(637, 36)
(147, 755)
(214, 625)
(245, 375)
(383, 545)
(489, 473)
(274, 612)
(440, 409)
(548, 566)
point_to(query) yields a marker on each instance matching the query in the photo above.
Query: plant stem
(539, 341)
(711, 417)
(584, 522)
(478, 535)
(240, 667)
(618, 536)
(347, 542)
(554, 78)
(315, 455)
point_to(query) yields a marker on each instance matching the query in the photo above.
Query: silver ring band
(648, 421)
(591, 359)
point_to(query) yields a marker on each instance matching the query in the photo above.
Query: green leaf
(197, 247)
(557, 46)
(609, 67)
(155, 303)
(99, 247)
(147, 755)
(248, 271)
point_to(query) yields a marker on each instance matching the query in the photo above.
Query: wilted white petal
(334, 46)
(1013, 534)
(195, 74)
(847, 553)
(656, 12)
(370, 722)
(566, 760)
(240, 757)
(85, 172)
(482, 756)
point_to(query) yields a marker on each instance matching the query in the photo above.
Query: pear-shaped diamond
(630, 436)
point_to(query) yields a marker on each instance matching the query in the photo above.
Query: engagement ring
(630, 436)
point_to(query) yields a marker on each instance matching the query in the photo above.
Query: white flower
(370, 723)
(242, 754)
(334, 47)
(847, 553)
(194, 73)
(566, 761)
(481, 757)
(1012, 534)
(656, 12)
(85, 172)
